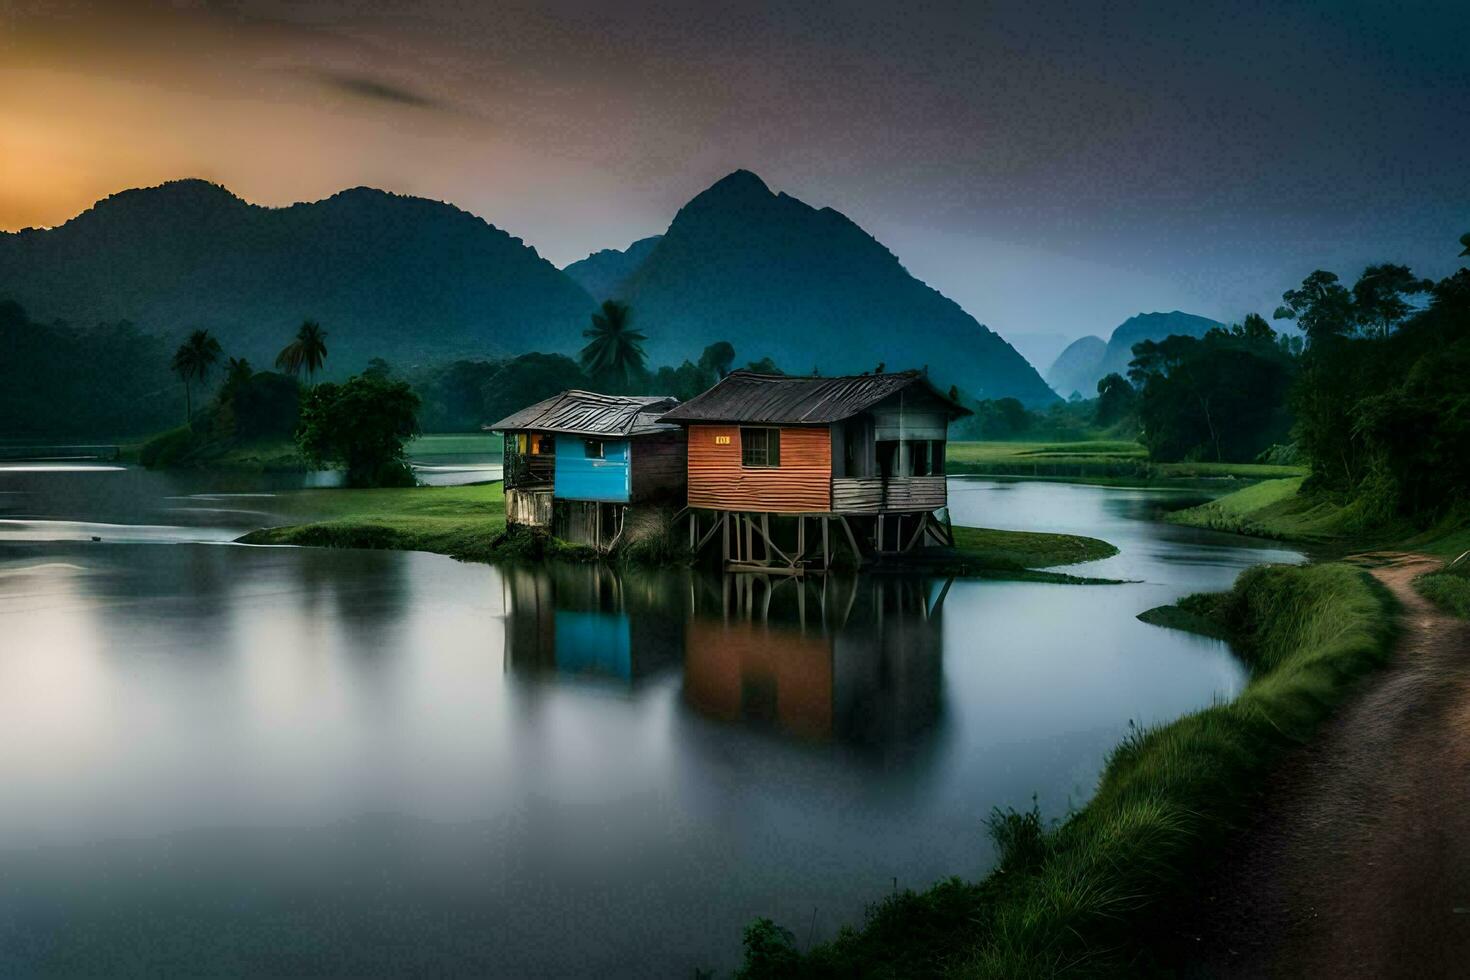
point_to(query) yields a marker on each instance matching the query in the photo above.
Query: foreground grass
(1105, 461)
(1449, 588)
(1088, 897)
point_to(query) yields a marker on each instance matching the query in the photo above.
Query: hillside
(810, 289)
(1087, 361)
(603, 273)
(1075, 368)
(402, 278)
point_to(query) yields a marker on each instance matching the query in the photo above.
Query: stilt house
(778, 465)
(577, 460)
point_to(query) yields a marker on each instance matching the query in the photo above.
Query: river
(220, 758)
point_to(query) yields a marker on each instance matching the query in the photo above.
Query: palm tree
(192, 362)
(615, 350)
(307, 352)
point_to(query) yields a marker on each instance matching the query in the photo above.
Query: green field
(455, 444)
(1097, 461)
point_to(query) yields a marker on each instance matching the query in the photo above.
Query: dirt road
(1360, 863)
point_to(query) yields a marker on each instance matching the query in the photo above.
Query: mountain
(807, 288)
(402, 278)
(1082, 365)
(1039, 349)
(1075, 368)
(603, 273)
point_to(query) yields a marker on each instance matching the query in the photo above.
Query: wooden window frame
(772, 437)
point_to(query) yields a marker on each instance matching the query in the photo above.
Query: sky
(1052, 167)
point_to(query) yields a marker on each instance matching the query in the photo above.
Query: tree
(1116, 400)
(378, 368)
(192, 362)
(614, 352)
(526, 380)
(307, 352)
(1221, 397)
(718, 357)
(1378, 296)
(360, 426)
(1321, 306)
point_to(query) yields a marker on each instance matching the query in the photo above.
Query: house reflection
(851, 659)
(592, 621)
(855, 659)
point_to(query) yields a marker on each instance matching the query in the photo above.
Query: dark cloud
(374, 89)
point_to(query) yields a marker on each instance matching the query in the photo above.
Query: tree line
(1374, 396)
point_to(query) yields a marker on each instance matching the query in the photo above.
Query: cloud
(374, 89)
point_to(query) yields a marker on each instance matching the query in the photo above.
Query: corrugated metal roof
(745, 396)
(587, 413)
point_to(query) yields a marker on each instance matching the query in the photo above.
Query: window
(593, 448)
(760, 447)
(545, 446)
(919, 457)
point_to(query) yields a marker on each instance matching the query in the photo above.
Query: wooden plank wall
(801, 484)
(659, 467)
(900, 493)
(529, 507)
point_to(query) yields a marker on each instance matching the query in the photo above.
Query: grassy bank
(1085, 898)
(1280, 509)
(462, 522)
(468, 522)
(1098, 461)
(182, 448)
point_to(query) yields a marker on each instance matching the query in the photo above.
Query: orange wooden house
(777, 462)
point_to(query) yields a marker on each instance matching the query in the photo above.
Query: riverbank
(1106, 462)
(1088, 895)
(468, 523)
(1356, 861)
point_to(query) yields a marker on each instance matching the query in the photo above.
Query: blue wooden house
(576, 461)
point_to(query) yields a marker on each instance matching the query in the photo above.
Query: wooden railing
(872, 495)
(529, 470)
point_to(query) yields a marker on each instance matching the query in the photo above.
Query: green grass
(1027, 549)
(455, 444)
(1090, 896)
(1270, 509)
(1450, 593)
(1102, 461)
(463, 522)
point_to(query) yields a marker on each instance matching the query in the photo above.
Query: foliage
(58, 381)
(1087, 897)
(253, 406)
(1116, 400)
(528, 379)
(1220, 397)
(361, 426)
(614, 353)
(192, 362)
(306, 353)
(1382, 405)
(718, 357)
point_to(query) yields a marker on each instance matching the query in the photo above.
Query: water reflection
(849, 658)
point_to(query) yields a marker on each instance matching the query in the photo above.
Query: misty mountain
(1039, 349)
(809, 289)
(1075, 368)
(603, 273)
(1087, 361)
(402, 278)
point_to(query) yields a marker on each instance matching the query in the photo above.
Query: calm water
(217, 758)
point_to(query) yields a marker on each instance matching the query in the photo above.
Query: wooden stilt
(826, 543)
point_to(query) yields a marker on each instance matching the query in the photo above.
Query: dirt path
(1360, 863)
